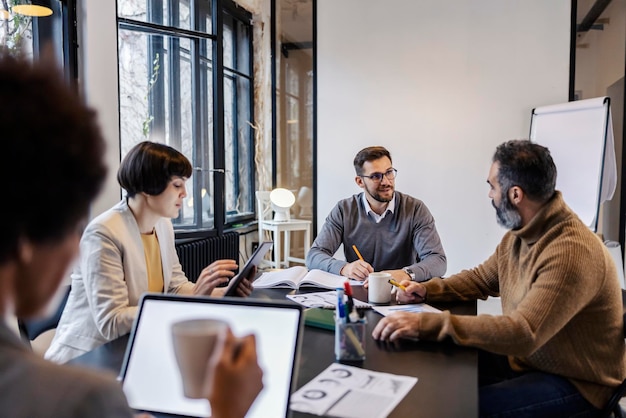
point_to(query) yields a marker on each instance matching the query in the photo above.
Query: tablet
(253, 261)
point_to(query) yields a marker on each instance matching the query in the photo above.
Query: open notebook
(151, 380)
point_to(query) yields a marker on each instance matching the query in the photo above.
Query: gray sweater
(405, 238)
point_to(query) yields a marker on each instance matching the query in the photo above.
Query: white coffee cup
(197, 344)
(379, 288)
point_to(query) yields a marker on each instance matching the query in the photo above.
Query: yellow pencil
(403, 288)
(396, 284)
(358, 254)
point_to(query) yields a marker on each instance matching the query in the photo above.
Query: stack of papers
(326, 300)
(413, 307)
(350, 392)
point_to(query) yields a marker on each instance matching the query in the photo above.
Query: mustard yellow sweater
(561, 303)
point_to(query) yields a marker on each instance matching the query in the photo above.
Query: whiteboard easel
(579, 136)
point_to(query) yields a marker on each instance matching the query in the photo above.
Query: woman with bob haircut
(129, 250)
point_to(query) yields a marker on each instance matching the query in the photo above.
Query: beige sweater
(561, 303)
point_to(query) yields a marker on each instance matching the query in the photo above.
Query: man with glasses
(380, 229)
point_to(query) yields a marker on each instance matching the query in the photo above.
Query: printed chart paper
(350, 392)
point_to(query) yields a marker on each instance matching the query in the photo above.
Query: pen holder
(350, 340)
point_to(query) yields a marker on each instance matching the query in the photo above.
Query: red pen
(348, 292)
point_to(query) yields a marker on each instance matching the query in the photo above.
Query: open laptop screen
(151, 380)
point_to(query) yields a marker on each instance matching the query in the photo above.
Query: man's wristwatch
(410, 273)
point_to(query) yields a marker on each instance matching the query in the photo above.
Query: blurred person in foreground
(557, 350)
(56, 160)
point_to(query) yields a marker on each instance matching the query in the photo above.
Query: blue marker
(341, 308)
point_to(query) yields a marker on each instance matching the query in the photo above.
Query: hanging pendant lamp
(34, 8)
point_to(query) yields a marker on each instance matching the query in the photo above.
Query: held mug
(197, 342)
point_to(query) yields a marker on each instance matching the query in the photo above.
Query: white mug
(197, 343)
(379, 288)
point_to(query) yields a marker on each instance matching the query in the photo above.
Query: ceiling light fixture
(34, 8)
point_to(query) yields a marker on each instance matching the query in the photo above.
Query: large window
(178, 76)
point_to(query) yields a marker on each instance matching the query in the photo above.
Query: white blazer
(109, 280)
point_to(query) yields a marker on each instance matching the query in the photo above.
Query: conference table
(447, 374)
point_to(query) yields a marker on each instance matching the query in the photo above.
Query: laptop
(151, 380)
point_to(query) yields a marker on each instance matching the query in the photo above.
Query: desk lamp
(282, 200)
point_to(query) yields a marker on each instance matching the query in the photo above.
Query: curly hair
(53, 152)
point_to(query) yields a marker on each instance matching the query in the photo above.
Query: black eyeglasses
(378, 177)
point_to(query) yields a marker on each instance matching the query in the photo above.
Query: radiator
(196, 255)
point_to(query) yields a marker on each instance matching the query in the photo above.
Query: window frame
(201, 138)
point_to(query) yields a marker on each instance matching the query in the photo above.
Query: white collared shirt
(391, 206)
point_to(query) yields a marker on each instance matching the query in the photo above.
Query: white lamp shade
(282, 200)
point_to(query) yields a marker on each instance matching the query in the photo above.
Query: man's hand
(237, 378)
(415, 292)
(216, 273)
(397, 325)
(357, 270)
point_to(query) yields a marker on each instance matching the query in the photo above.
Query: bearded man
(557, 350)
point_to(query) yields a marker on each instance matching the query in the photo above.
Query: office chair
(32, 328)
(613, 408)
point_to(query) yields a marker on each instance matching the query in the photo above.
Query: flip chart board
(579, 136)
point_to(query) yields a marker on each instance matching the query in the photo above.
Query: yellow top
(153, 262)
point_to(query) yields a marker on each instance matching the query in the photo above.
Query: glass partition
(294, 101)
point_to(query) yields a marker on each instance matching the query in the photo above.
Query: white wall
(98, 74)
(441, 84)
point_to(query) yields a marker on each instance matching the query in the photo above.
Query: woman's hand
(245, 286)
(237, 378)
(217, 273)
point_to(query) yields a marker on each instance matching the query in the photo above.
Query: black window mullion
(203, 144)
(156, 101)
(219, 178)
(197, 128)
(70, 41)
(251, 163)
(174, 77)
(235, 106)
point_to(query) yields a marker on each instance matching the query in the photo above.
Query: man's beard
(374, 193)
(507, 215)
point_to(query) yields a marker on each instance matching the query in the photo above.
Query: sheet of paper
(327, 299)
(417, 307)
(350, 392)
